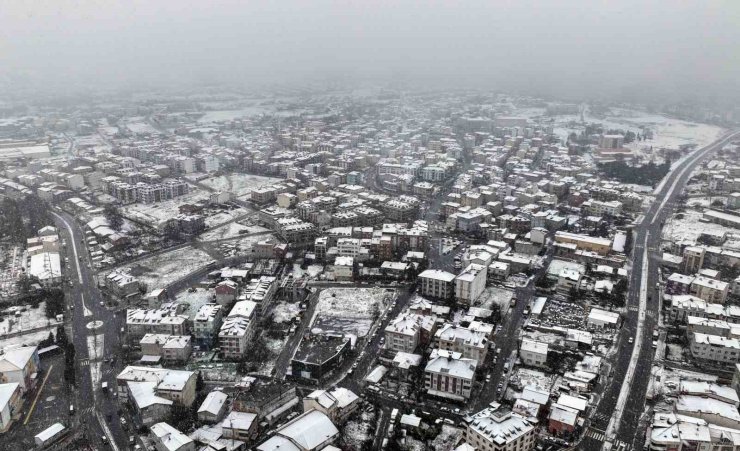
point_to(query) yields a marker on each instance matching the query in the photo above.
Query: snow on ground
(285, 311)
(26, 339)
(194, 300)
(274, 345)
(312, 271)
(239, 184)
(674, 352)
(523, 377)
(349, 310)
(158, 271)
(246, 244)
(30, 318)
(225, 216)
(447, 439)
(230, 230)
(689, 227)
(495, 296)
(155, 213)
(358, 431)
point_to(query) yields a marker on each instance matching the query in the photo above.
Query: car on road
(631, 340)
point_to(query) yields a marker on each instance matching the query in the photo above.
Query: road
(615, 422)
(93, 341)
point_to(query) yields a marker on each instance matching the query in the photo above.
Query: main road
(615, 422)
(95, 337)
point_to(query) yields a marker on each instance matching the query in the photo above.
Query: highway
(615, 423)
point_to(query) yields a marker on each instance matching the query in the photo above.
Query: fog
(567, 48)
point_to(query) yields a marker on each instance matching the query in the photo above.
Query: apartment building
(714, 349)
(449, 375)
(470, 283)
(469, 343)
(436, 283)
(234, 336)
(500, 430)
(206, 324)
(711, 290)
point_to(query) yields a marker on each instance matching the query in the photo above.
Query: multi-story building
(601, 208)
(206, 324)
(714, 349)
(436, 283)
(234, 336)
(469, 343)
(449, 375)
(500, 430)
(711, 290)
(693, 259)
(533, 352)
(176, 385)
(601, 246)
(470, 283)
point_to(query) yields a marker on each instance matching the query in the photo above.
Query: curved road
(615, 422)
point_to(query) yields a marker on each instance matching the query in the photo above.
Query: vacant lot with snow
(162, 269)
(239, 184)
(687, 226)
(349, 310)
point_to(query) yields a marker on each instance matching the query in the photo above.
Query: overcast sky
(559, 47)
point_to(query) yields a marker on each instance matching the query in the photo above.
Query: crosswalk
(600, 436)
(595, 434)
(84, 362)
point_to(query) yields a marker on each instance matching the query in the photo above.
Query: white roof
(437, 274)
(563, 414)
(704, 405)
(16, 359)
(213, 403)
(410, 420)
(462, 368)
(6, 392)
(309, 431)
(534, 346)
(376, 374)
(573, 402)
(49, 432)
(239, 420)
(45, 265)
(169, 437)
(603, 316)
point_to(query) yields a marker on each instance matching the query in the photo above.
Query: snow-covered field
(156, 213)
(349, 310)
(275, 346)
(230, 230)
(30, 318)
(358, 431)
(245, 245)
(239, 184)
(225, 216)
(495, 296)
(689, 227)
(160, 270)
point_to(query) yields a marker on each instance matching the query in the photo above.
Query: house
(337, 404)
(148, 407)
(213, 407)
(167, 438)
(313, 430)
(11, 400)
(20, 365)
(600, 319)
(562, 419)
(240, 426)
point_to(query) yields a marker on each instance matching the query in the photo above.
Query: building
(313, 430)
(240, 426)
(671, 431)
(171, 348)
(226, 292)
(714, 349)
(469, 343)
(20, 365)
(167, 438)
(11, 400)
(213, 407)
(176, 385)
(337, 404)
(470, 283)
(234, 336)
(601, 246)
(435, 283)
(448, 375)
(499, 430)
(206, 325)
(533, 352)
(693, 259)
(711, 290)
(319, 355)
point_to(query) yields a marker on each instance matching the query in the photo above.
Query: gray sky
(559, 47)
